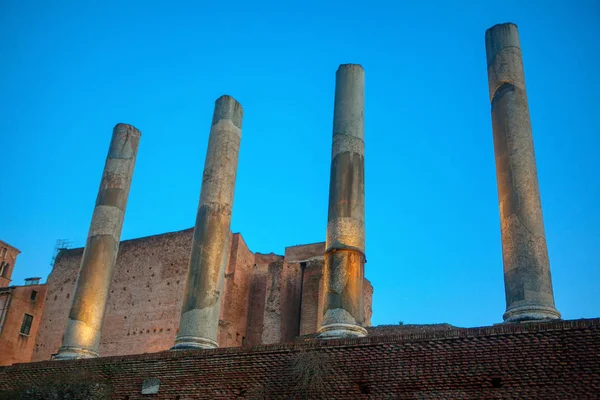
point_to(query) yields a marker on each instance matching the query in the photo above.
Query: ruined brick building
(267, 298)
(195, 314)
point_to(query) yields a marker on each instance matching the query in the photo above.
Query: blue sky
(71, 70)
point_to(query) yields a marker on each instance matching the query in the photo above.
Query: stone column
(345, 245)
(199, 323)
(82, 336)
(527, 280)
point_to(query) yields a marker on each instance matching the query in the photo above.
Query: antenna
(61, 244)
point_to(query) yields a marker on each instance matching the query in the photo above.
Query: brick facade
(16, 345)
(263, 302)
(551, 360)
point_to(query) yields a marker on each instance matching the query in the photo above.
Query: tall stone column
(345, 245)
(82, 336)
(199, 323)
(527, 280)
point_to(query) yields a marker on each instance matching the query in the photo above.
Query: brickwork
(557, 360)
(8, 258)
(290, 301)
(258, 296)
(312, 297)
(144, 301)
(261, 300)
(236, 290)
(15, 302)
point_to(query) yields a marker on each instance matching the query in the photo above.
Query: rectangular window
(5, 269)
(33, 294)
(26, 326)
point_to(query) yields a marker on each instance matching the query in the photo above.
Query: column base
(530, 313)
(74, 353)
(339, 331)
(193, 342)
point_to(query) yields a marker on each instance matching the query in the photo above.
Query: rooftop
(557, 359)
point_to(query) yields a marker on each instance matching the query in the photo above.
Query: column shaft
(199, 323)
(345, 244)
(82, 336)
(527, 279)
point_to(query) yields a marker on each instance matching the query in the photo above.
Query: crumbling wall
(144, 302)
(257, 299)
(59, 297)
(368, 301)
(146, 294)
(311, 314)
(271, 332)
(312, 297)
(266, 298)
(290, 301)
(236, 291)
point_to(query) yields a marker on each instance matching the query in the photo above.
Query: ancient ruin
(199, 322)
(345, 246)
(84, 326)
(295, 325)
(527, 280)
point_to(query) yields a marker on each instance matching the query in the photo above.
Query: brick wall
(236, 290)
(144, 301)
(260, 301)
(257, 300)
(16, 301)
(312, 297)
(553, 360)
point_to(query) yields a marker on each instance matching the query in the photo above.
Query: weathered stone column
(345, 245)
(82, 336)
(527, 280)
(199, 323)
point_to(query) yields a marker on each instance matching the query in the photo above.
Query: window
(5, 269)
(2, 265)
(26, 326)
(3, 252)
(33, 294)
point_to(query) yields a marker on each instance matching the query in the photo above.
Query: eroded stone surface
(528, 284)
(199, 325)
(82, 335)
(345, 246)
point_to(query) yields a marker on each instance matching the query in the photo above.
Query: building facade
(20, 310)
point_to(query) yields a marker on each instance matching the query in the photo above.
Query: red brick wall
(271, 332)
(257, 299)
(554, 360)
(61, 286)
(290, 301)
(14, 346)
(260, 301)
(145, 297)
(312, 297)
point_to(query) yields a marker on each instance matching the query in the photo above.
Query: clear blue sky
(71, 70)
